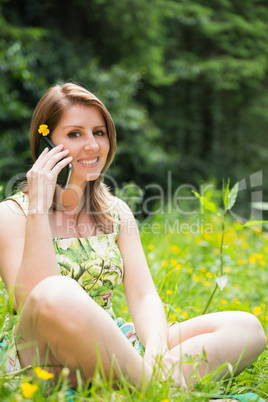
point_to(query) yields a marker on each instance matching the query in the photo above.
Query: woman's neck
(70, 200)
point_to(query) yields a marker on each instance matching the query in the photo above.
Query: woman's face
(82, 130)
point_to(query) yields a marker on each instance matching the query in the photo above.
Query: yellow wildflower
(208, 236)
(203, 269)
(189, 270)
(150, 247)
(196, 278)
(254, 257)
(244, 245)
(173, 262)
(262, 262)
(266, 249)
(178, 309)
(165, 400)
(43, 129)
(175, 248)
(207, 283)
(43, 374)
(169, 292)
(258, 256)
(208, 274)
(185, 313)
(231, 235)
(164, 264)
(28, 390)
(227, 269)
(237, 302)
(241, 262)
(257, 310)
(224, 301)
(173, 317)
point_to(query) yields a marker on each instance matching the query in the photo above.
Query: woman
(64, 251)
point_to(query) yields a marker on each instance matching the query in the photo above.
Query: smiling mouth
(88, 162)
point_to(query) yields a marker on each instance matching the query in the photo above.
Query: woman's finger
(49, 160)
(50, 174)
(53, 160)
(47, 154)
(61, 164)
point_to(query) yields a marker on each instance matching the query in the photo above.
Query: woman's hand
(42, 178)
(172, 367)
(166, 366)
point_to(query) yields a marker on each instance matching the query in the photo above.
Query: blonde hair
(49, 110)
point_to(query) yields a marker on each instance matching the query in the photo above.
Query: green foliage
(184, 81)
(185, 261)
(206, 203)
(228, 199)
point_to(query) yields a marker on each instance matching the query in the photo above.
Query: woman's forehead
(82, 116)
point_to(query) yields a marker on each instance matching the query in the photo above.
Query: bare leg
(225, 337)
(60, 324)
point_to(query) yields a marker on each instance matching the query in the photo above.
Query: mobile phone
(65, 174)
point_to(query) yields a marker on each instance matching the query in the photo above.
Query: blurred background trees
(185, 81)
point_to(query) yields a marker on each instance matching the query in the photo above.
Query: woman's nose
(91, 144)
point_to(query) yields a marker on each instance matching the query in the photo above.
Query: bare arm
(38, 258)
(27, 256)
(143, 300)
(24, 260)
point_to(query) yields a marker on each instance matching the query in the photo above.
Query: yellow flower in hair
(43, 129)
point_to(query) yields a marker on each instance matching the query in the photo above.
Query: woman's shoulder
(15, 204)
(120, 207)
(12, 221)
(128, 224)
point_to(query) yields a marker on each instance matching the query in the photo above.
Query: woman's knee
(246, 327)
(256, 330)
(41, 307)
(50, 297)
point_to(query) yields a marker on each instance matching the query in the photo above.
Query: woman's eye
(73, 134)
(99, 133)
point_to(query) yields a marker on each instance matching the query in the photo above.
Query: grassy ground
(184, 258)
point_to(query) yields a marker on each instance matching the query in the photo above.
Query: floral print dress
(94, 262)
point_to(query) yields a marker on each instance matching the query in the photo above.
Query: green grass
(184, 262)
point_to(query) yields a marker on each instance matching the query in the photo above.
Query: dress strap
(22, 201)
(116, 216)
